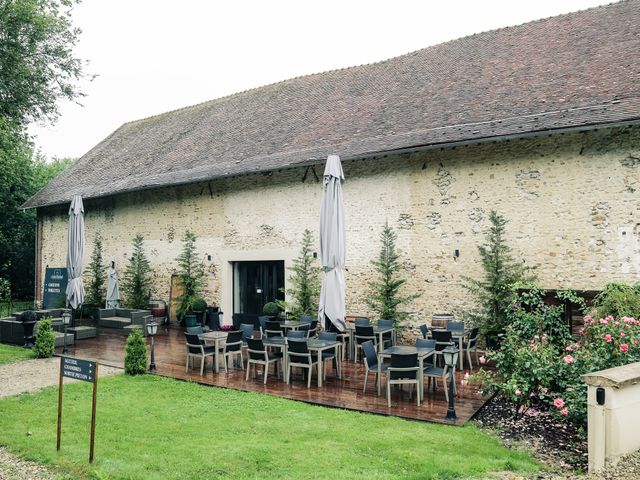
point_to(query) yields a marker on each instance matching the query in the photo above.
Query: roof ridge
(325, 72)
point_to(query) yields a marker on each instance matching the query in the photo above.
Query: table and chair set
(286, 345)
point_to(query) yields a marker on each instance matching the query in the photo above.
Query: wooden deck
(109, 346)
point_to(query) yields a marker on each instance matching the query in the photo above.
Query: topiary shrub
(45, 339)
(271, 309)
(199, 304)
(135, 360)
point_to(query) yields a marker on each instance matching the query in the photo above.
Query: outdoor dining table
(379, 332)
(459, 336)
(293, 324)
(423, 352)
(315, 345)
(218, 339)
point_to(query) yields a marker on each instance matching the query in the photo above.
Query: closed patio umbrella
(332, 247)
(75, 251)
(113, 294)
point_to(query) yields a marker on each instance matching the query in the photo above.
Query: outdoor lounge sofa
(125, 319)
(11, 331)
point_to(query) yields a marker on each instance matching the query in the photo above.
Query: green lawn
(157, 428)
(13, 353)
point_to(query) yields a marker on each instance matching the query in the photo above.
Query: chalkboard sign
(55, 288)
(78, 369)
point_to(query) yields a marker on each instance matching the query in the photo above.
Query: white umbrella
(75, 251)
(113, 294)
(332, 246)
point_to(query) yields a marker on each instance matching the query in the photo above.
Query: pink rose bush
(540, 363)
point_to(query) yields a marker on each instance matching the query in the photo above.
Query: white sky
(152, 56)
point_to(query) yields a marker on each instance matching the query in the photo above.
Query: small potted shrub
(199, 307)
(271, 310)
(45, 339)
(135, 360)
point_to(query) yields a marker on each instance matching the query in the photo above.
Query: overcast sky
(151, 56)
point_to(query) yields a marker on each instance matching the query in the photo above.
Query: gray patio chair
(424, 329)
(262, 320)
(247, 332)
(233, 347)
(388, 339)
(455, 326)
(363, 334)
(298, 355)
(306, 319)
(443, 340)
(472, 344)
(361, 321)
(371, 364)
(296, 334)
(197, 348)
(198, 330)
(310, 330)
(258, 355)
(273, 329)
(403, 370)
(426, 343)
(327, 354)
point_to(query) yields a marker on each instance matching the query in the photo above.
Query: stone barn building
(540, 122)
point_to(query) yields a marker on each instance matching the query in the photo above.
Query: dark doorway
(256, 283)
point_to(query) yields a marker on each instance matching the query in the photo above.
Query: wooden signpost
(85, 371)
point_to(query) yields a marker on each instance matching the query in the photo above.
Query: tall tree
(136, 280)
(190, 273)
(305, 280)
(37, 68)
(37, 64)
(96, 271)
(385, 296)
(493, 292)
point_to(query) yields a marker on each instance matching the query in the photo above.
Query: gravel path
(31, 376)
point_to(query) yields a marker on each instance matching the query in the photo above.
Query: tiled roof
(575, 70)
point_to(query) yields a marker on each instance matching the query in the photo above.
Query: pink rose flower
(604, 321)
(635, 342)
(518, 392)
(558, 403)
(581, 331)
(622, 334)
(569, 348)
(564, 412)
(568, 359)
(608, 338)
(483, 359)
(617, 324)
(624, 347)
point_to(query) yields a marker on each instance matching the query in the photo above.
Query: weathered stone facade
(572, 202)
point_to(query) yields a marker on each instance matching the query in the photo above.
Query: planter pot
(28, 323)
(190, 321)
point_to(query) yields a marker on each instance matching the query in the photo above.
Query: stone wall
(571, 201)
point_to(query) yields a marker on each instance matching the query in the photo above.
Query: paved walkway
(31, 376)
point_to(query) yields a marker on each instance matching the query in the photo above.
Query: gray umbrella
(75, 252)
(113, 294)
(332, 246)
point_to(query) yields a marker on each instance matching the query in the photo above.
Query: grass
(157, 428)
(13, 353)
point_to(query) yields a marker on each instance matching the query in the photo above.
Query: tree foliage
(190, 274)
(96, 271)
(304, 281)
(494, 292)
(136, 280)
(37, 64)
(385, 296)
(37, 67)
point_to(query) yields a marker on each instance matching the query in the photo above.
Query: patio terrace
(170, 354)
